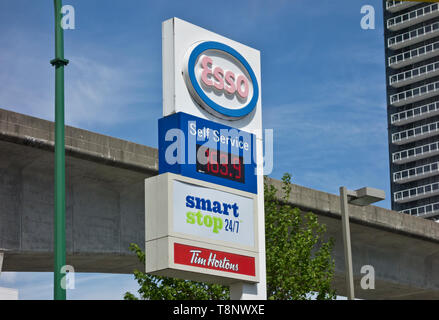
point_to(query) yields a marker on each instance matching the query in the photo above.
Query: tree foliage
(298, 256)
(164, 288)
(298, 259)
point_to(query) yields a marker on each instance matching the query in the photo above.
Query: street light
(59, 293)
(361, 197)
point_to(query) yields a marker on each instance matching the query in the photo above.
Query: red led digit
(237, 166)
(214, 167)
(206, 153)
(224, 164)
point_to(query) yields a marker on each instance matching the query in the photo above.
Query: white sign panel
(210, 76)
(199, 230)
(213, 214)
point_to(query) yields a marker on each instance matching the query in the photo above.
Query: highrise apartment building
(412, 76)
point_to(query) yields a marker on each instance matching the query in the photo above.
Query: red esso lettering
(223, 80)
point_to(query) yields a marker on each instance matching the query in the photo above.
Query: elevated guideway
(105, 213)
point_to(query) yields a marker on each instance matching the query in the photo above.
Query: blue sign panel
(208, 151)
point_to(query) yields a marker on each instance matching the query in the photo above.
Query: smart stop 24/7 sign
(200, 231)
(204, 211)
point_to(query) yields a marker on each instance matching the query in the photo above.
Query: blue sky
(323, 87)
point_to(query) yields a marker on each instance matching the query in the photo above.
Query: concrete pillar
(6, 293)
(1, 261)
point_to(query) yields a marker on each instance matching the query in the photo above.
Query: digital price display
(220, 164)
(206, 150)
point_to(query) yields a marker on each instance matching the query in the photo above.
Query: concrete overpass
(105, 213)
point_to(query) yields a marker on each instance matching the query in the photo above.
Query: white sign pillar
(235, 68)
(258, 291)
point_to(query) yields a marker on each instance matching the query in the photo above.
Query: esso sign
(220, 80)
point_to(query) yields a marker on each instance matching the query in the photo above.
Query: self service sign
(204, 211)
(206, 150)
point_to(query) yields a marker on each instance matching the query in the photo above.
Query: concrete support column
(6, 293)
(1, 261)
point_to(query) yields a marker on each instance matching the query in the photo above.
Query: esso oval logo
(220, 80)
(219, 76)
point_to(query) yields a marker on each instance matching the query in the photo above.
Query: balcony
(415, 134)
(395, 6)
(414, 75)
(417, 173)
(427, 211)
(416, 193)
(413, 17)
(411, 37)
(414, 55)
(417, 153)
(415, 94)
(415, 114)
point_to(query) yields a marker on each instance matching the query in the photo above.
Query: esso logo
(219, 76)
(220, 80)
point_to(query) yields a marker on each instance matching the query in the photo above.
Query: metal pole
(59, 62)
(347, 242)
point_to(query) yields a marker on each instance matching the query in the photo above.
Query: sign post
(205, 209)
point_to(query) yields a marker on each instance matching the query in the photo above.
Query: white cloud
(103, 286)
(98, 91)
(336, 136)
(26, 74)
(88, 286)
(105, 94)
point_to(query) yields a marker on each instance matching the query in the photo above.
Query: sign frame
(160, 234)
(179, 38)
(160, 262)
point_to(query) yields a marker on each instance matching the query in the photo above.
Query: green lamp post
(60, 197)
